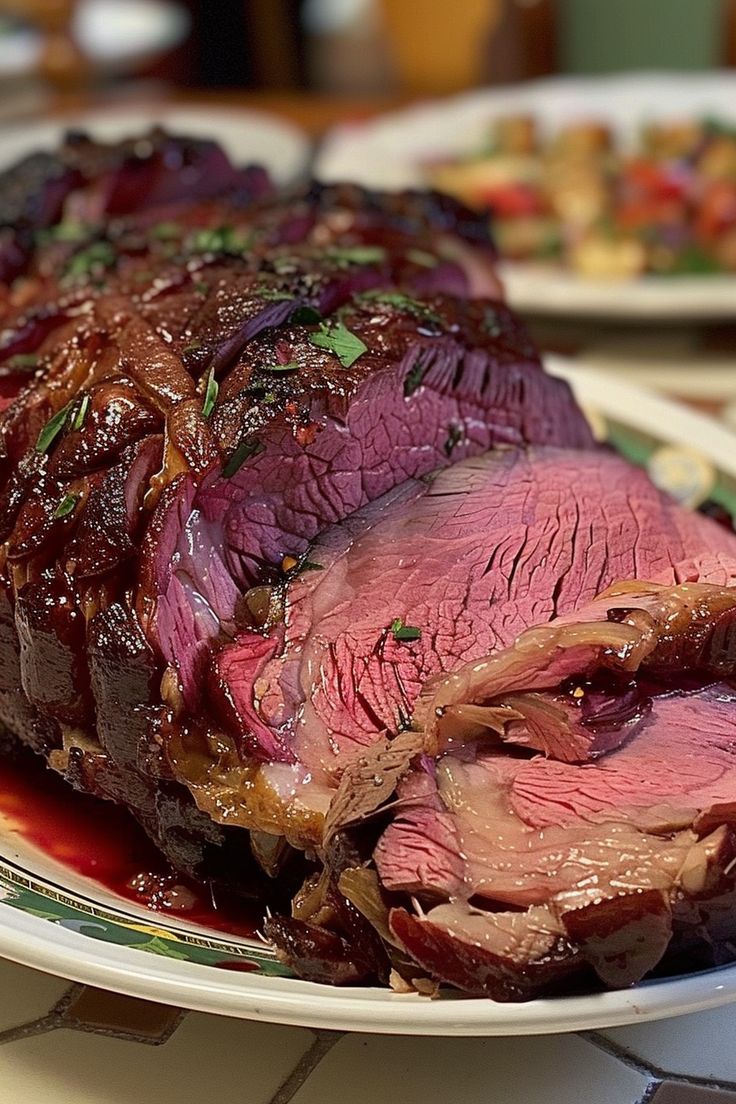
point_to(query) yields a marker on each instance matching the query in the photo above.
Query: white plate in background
(389, 151)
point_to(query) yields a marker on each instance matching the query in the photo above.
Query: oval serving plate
(59, 921)
(388, 152)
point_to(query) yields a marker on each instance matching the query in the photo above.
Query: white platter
(61, 922)
(388, 153)
(248, 136)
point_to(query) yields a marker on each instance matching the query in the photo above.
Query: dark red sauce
(104, 842)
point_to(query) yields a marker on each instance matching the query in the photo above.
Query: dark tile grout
(649, 1069)
(323, 1043)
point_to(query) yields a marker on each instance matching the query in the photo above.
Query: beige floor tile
(26, 995)
(555, 1070)
(702, 1045)
(207, 1058)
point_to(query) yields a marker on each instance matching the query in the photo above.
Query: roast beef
(432, 575)
(301, 550)
(208, 393)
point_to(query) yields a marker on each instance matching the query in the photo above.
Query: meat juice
(66, 826)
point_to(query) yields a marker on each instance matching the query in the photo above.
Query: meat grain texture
(308, 563)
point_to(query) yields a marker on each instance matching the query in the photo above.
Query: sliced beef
(458, 565)
(612, 847)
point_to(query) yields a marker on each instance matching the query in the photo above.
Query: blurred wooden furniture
(62, 64)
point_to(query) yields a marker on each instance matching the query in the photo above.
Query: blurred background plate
(248, 136)
(390, 151)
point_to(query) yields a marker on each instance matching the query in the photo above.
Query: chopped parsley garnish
(292, 366)
(210, 394)
(305, 316)
(338, 339)
(22, 361)
(404, 632)
(454, 437)
(223, 239)
(166, 231)
(68, 231)
(95, 258)
(274, 294)
(403, 302)
(419, 257)
(66, 506)
(247, 448)
(414, 377)
(52, 429)
(356, 254)
(270, 397)
(201, 287)
(81, 413)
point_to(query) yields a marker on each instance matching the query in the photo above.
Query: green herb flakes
(338, 339)
(201, 287)
(210, 394)
(402, 632)
(247, 448)
(66, 506)
(166, 231)
(273, 294)
(223, 239)
(52, 429)
(403, 302)
(81, 414)
(90, 261)
(355, 254)
(414, 377)
(23, 361)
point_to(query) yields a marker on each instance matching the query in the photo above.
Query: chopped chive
(273, 294)
(192, 347)
(414, 377)
(339, 340)
(402, 632)
(247, 448)
(222, 239)
(81, 414)
(210, 395)
(52, 429)
(90, 261)
(356, 254)
(22, 361)
(66, 506)
(403, 302)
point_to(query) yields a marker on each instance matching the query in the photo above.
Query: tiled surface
(84, 1046)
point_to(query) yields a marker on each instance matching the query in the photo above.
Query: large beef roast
(283, 481)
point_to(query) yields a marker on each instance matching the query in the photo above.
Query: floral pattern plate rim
(62, 923)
